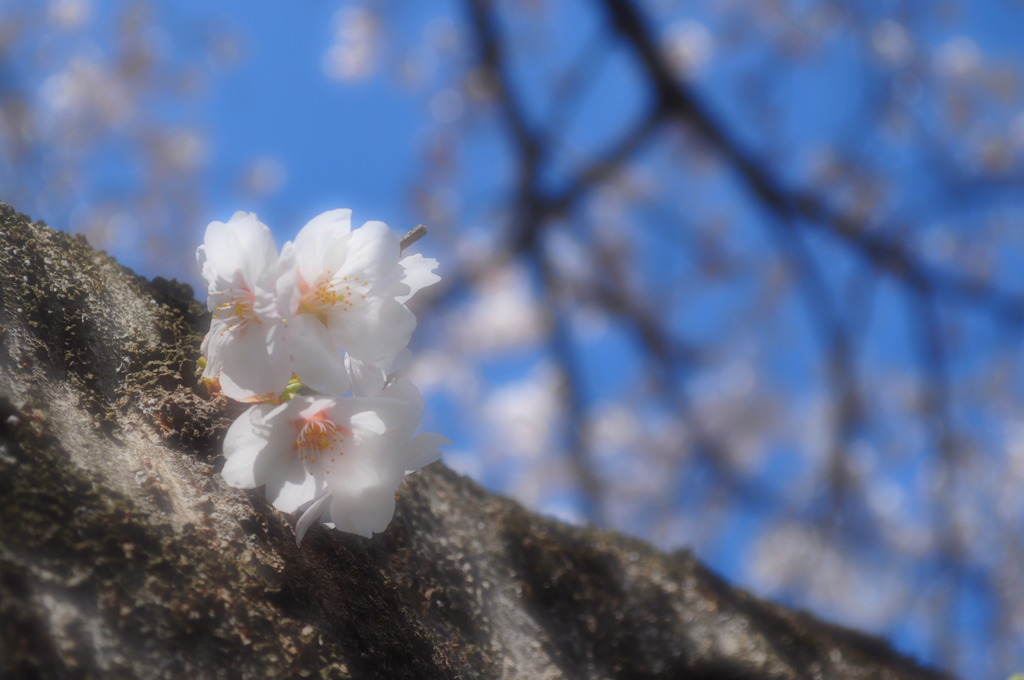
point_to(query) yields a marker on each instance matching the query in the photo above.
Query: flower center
(236, 309)
(318, 437)
(330, 293)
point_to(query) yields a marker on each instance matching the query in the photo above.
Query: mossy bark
(123, 554)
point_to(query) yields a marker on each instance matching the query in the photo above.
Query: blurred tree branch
(790, 217)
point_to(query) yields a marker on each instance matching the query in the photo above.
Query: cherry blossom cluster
(313, 337)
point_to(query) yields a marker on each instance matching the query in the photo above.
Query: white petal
(319, 239)
(405, 390)
(419, 273)
(402, 415)
(372, 514)
(375, 330)
(316, 358)
(397, 362)
(312, 405)
(313, 513)
(373, 253)
(254, 446)
(364, 510)
(368, 422)
(288, 495)
(266, 306)
(391, 417)
(367, 379)
(219, 257)
(243, 443)
(258, 251)
(287, 280)
(363, 468)
(423, 450)
(201, 258)
(213, 348)
(240, 250)
(255, 363)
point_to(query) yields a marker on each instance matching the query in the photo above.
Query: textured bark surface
(123, 554)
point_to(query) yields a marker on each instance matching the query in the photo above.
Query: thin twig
(413, 235)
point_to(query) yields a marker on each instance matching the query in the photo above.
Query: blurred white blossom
(502, 314)
(523, 414)
(446, 105)
(87, 89)
(792, 557)
(264, 176)
(890, 42)
(353, 52)
(689, 46)
(958, 58)
(70, 14)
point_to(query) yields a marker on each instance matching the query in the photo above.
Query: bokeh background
(738, 276)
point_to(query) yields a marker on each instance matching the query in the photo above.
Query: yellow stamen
(317, 435)
(326, 296)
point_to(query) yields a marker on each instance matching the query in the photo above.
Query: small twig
(413, 235)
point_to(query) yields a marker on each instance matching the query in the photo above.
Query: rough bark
(123, 554)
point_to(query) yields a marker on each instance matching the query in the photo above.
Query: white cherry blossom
(339, 459)
(347, 288)
(244, 349)
(331, 311)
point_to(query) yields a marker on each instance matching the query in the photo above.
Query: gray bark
(123, 553)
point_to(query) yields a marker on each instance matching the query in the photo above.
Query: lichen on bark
(123, 554)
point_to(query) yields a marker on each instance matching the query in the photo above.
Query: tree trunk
(123, 553)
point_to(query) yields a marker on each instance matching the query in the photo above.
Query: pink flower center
(317, 437)
(330, 294)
